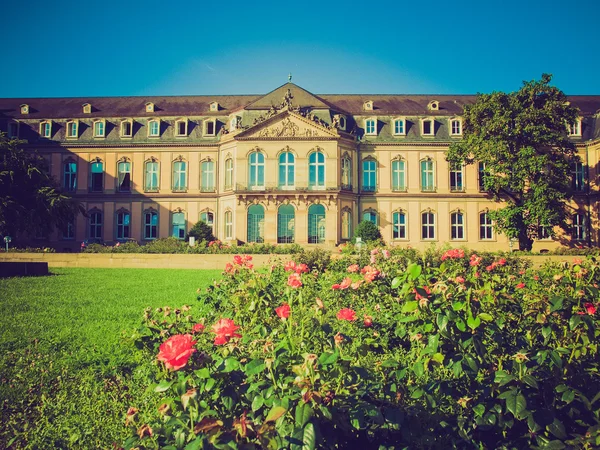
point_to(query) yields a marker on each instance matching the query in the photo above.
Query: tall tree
(521, 138)
(30, 199)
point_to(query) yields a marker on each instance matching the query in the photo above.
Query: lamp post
(7, 240)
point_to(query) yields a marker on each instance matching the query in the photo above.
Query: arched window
(207, 182)
(154, 128)
(178, 225)
(399, 225)
(70, 176)
(97, 176)
(72, 129)
(228, 173)
(127, 128)
(257, 170)
(124, 174)
(123, 224)
(427, 176)
(95, 221)
(99, 128)
(316, 170)
(286, 221)
(46, 129)
(179, 176)
(398, 175)
(486, 229)
(457, 225)
(316, 224)
(286, 170)
(208, 218)
(256, 224)
(369, 175)
(151, 176)
(346, 173)
(370, 215)
(228, 225)
(427, 225)
(150, 224)
(346, 224)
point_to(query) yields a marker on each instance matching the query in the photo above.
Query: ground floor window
(285, 224)
(256, 224)
(316, 224)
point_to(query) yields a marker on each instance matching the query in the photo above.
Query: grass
(67, 372)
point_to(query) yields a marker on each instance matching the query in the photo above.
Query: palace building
(288, 166)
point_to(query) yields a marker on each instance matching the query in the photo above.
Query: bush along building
(284, 167)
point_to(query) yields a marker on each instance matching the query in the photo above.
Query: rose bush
(447, 354)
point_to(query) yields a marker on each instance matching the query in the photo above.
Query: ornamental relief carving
(287, 128)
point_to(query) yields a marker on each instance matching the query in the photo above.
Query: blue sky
(114, 48)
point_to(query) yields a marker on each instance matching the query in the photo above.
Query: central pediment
(286, 125)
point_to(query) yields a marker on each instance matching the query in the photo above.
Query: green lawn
(67, 371)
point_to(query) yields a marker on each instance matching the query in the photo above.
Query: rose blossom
(197, 328)
(176, 351)
(459, 279)
(290, 266)
(590, 308)
(353, 268)
(520, 285)
(301, 268)
(475, 260)
(356, 284)
(386, 254)
(501, 261)
(346, 314)
(455, 253)
(368, 321)
(294, 280)
(225, 329)
(283, 311)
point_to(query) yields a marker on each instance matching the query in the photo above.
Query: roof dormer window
(46, 129)
(100, 128)
(181, 127)
(13, 129)
(368, 105)
(210, 127)
(87, 108)
(214, 106)
(127, 128)
(154, 128)
(399, 126)
(427, 127)
(73, 129)
(456, 127)
(149, 107)
(371, 127)
(575, 128)
(433, 105)
(24, 108)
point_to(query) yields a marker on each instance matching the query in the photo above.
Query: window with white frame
(150, 224)
(457, 226)
(70, 176)
(181, 128)
(228, 173)
(124, 176)
(123, 225)
(456, 178)
(208, 218)
(154, 128)
(346, 173)
(210, 127)
(427, 175)
(257, 169)
(371, 127)
(544, 232)
(578, 182)
(316, 170)
(399, 127)
(207, 178)
(72, 129)
(179, 176)
(456, 127)
(399, 225)
(427, 225)
(46, 129)
(286, 170)
(369, 175)
(151, 176)
(574, 129)
(178, 225)
(99, 128)
(127, 128)
(427, 127)
(95, 222)
(228, 225)
(96, 176)
(579, 232)
(398, 175)
(486, 229)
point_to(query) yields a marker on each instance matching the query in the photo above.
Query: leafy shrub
(367, 231)
(315, 259)
(451, 355)
(27, 249)
(202, 232)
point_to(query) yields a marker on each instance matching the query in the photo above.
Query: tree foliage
(367, 231)
(202, 232)
(521, 137)
(31, 201)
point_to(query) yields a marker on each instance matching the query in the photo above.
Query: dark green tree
(202, 232)
(521, 137)
(31, 200)
(367, 231)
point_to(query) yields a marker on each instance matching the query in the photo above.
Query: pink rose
(176, 351)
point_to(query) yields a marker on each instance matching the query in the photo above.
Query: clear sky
(131, 47)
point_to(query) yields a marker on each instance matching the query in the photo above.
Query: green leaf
(556, 303)
(163, 386)
(410, 307)
(202, 373)
(304, 413)
(432, 343)
(503, 378)
(417, 393)
(574, 321)
(438, 358)
(557, 429)
(257, 403)
(442, 321)
(275, 413)
(473, 323)
(418, 368)
(530, 381)
(389, 363)
(396, 283)
(414, 271)
(327, 358)
(486, 317)
(255, 366)
(546, 331)
(309, 438)
(458, 306)
(568, 396)
(516, 404)
(196, 444)
(231, 364)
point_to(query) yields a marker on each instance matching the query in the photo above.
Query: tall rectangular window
(579, 227)
(228, 173)
(126, 128)
(99, 129)
(124, 176)
(70, 176)
(369, 175)
(427, 176)
(578, 182)
(481, 174)
(575, 128)
(455, 127)
(257, 170)
(371, 216)
(316, 170)
(286, 170)
(208, 218)
(207, 181)
(95, 221)
(72, 128)
(371, 126)
(427, 129)
(68, 231)
(399, 127)
(399, 225)
(457, 225)
(97, 177)
(151, 176)
(46, 129)
(228, 225)
(399, 175)
(456, 178)
(427, 226)
(178, 225)
(150, 225)
(123, 225)
(486, 230)
(346, 173)
(179, 176)
(13, 130)
(154, 128)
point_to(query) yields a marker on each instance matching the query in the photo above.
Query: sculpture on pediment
(287, 99)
